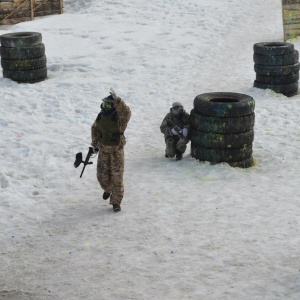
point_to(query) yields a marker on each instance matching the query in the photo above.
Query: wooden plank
(291, 34)
(291, 12)
(56, 4)
(6, 5)
(39, 4)
(290, 2)
(31, 9)
(291, 18)
(292, 26)
(14, 21)
(46, 1)
(16, 11)
(294, 21)
(22, 14)
(291, 7)
(47, 7)
(46, 13)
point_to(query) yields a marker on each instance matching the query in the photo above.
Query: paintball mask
(108, 104)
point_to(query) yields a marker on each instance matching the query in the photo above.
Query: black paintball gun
(78, 159)
(179, 130)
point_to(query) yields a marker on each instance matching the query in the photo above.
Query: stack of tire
(222, 128)
(277, 67)
(23, 57)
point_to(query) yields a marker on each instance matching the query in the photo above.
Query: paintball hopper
(79, 161)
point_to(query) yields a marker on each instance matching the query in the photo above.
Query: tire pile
(23, 57)
(222, 128)
(277, 67)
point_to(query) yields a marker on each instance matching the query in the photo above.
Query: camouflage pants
(110, 169)
(174, 143)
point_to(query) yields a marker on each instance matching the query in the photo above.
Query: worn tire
(289, 89)
(247, 163)
(20, 39)
(221, 155)
(276, 70)
(221, 125)
(273, 48)
(284, 79)
(224, 105)
(221, 141)
(26, 76)
(276, 60)
(23, 53)
(24, 64)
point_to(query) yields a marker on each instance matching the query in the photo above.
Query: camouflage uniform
(175, 142)
(110, 165)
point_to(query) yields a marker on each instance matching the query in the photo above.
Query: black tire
(247, 163)
(276, 70)
(221, 125)
(221, 141)
(20, 39)
(278, 79)
(224, 105)
(276, 60)
(289, 89)
(26, 76)
(221, 155)
(273, 48)
(24, 64)
(23, 53)
(33, 81)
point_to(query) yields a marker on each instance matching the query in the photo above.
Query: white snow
(187, 230)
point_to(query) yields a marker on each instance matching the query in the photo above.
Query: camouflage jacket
(123, 117)
(170, 120)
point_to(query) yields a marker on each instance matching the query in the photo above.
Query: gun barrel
(82, 171)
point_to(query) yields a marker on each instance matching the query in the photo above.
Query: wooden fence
(16, 11)
(291, 18)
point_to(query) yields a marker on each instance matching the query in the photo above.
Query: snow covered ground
(187, 230)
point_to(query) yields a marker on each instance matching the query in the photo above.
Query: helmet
(108, 99)
(177, 108)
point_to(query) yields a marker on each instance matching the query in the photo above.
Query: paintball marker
(78, 159)
(179, 130)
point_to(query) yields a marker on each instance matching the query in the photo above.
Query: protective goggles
(107, 105)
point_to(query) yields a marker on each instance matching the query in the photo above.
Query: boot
(178, 155)
(106, 195)
(116, 207)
